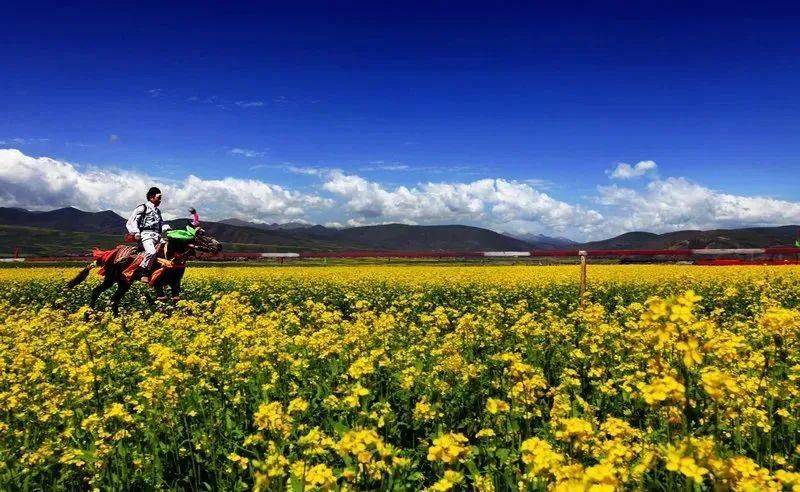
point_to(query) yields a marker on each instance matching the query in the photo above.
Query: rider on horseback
(146, 225)
(120, 264)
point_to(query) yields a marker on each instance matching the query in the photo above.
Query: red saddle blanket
(116, 255)
(122, 254)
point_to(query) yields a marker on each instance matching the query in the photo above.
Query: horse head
(205, 242)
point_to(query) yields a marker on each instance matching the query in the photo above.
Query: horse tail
(81, 276)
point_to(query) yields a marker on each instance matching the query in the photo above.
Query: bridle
(179, 259)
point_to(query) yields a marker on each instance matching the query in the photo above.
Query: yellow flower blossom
(449, 448)
(691, 354)
(323, 378)
(661, 389)
(495, 406)
(450, 479)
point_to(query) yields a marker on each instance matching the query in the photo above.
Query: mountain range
(69, 230)
(72, 231)
(750, 237)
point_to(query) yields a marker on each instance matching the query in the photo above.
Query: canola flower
(406, 378)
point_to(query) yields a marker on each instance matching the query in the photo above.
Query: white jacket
(146, 221)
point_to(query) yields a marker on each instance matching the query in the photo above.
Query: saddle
(137, 260)
(113, 256)
(124, 253)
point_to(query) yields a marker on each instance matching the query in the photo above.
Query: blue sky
(509, 117)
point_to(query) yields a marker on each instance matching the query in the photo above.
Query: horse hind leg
(107, 282)
(122, 288)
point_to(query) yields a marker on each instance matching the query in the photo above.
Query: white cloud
(539, 183)
(500, 204)
(626, 171)
(486, 201)
(43, 184)
(113, 138)
(381, 166)
(155, 92)
(307, 170)
(677, 203)
(249, 104)
(246, 152)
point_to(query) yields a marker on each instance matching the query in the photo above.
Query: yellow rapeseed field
(406, 378)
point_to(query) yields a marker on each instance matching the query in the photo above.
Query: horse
(168, 270)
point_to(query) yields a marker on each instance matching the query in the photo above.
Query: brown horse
(168, 268)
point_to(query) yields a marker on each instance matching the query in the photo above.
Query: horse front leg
(175, 285)
(159, 290)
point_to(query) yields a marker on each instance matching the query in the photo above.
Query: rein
(177, 261)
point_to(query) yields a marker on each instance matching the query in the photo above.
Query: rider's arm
(133, 223)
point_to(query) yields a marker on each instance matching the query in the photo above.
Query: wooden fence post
(582, 255)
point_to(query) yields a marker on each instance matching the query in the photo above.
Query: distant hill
(415, 237)
(240, 235)
(37, 241)
(75, 231)
(379, 237)
(67, 219)
(283, 240)
(751, 237)
(269, 227)
(408, 237)
(540, 241)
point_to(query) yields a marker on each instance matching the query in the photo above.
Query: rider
(146, 225)
(194, 219)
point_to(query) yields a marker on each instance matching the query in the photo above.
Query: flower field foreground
(406, 378)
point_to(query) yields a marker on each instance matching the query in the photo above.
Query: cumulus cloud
(677, 203)
(626, 171)
(517, 206)
(43, 184)
(487, 201)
